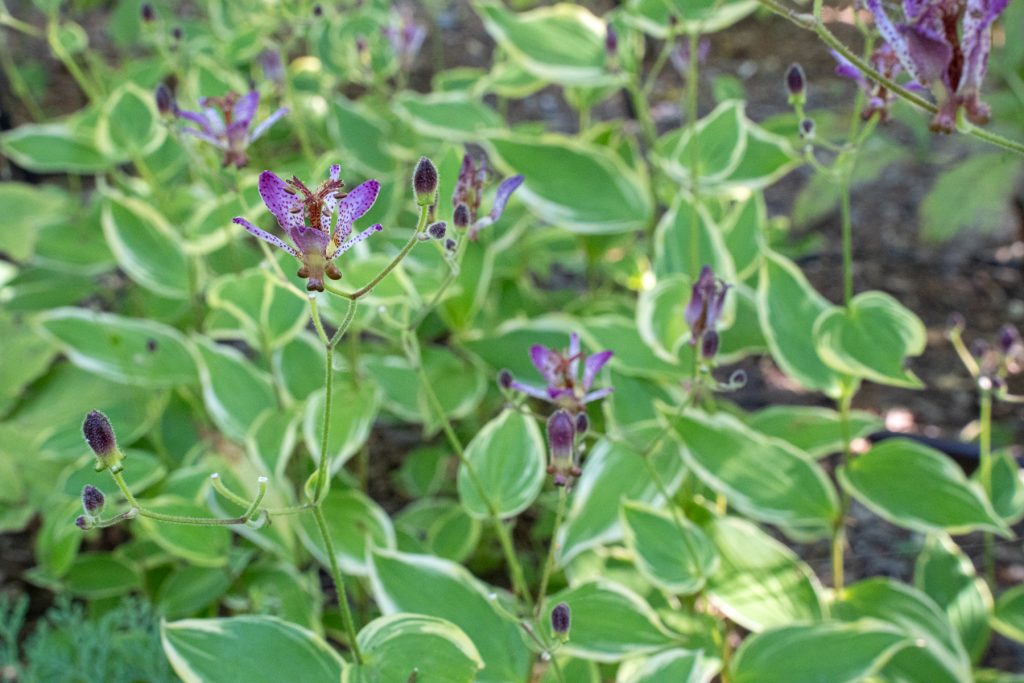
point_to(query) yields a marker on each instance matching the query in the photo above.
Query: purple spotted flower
(469, 192)
(704, 309)
(226, 123)
(305, 215)
(944, 46)
(561, 371)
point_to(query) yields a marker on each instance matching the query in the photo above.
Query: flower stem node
(100, 436)
(424, 182)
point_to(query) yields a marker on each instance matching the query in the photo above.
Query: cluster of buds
(703, 311)
(306, 217)
(469, 192)
(991, 364)
(227, 124)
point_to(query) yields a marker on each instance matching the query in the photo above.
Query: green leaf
(561, 44)
(673, 239)
(659, 316)
(395, 646)
(919, 488)
(124, 350)
(354, 410)
(356, 525)
(190, 589)
(941, 659)
(671, 553)
(1007, 487)
(428, 585)
(270, 314)
(788, 307)
(817, 431)
(760, 583)
(721, 140)
(129, 123)
(52, 148)
(947, 209)
(204, 546)
(612, 473)
(299, 366)
(235, 392)
(589, 191)
(27, 210)
(362, 135)
(146, 246)
(702, 16)
(871, 338)
(58, 539)
(27, 355)
(101, 575)
(256, 649)
(833, 652)
(766, 479)
(508, 457)
(142, 470)
(447, 116)
(609, 622)
(946, 575)
(1009, 614)
(670, 666)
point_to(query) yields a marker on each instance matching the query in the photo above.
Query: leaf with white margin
(254, 649)
(508, 457)
(395, 646)
(670, 666)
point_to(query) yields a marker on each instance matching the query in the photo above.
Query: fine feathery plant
(503, 428)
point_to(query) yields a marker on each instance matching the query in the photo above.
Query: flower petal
(196, 118)
(264, 235)
(598, 394)
(546, 362)
(355, 240)
(592, 366)
(536, 392)
(286, 206)
(245, 109)
(219, 143)
(265, 125)
(309, 240)
(574, 355)
(501, 196)
(353, 207)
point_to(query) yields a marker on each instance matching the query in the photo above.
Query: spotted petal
(309, 240)
(501, 196)
(264, 235)
(574, 355)
(286, 206)
(353, 207)
(330, 201)
(355, 240)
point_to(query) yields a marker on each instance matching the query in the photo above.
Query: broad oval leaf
(124, 350)
(760, 583)
(269, 313)
(1009, 614)
(609, 622)
(766, 479)
(235, 392)
(590, 190)
(129, 123)
(428, 585)
(189, 589)
(395, 646)
(703, 16)
(507, 457)
(817, 431)
(809, 653)
(671, 552)
(919, 488)
(871, 338)
(356, 524)
(256, 649)
(146, 246)
(659, 316)
(670, 666)
(52, 148)
(447, 116)
(99, 575)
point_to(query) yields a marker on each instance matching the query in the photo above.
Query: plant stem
(839, 530)
(69, 61)
(323, 466)
(985, 475)
(339, 584)
(549, 563)
(692, 76)
(847, 225)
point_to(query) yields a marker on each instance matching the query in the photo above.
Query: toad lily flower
(948, 60)
(305, 215)
(469, 191)
(226, 123)
(704, 309)
(561, 371)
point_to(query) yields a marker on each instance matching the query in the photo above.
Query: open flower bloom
(305, 215)
(561, 371)
(704, 309)
(951, 62)
(469, 191)
(226, 123)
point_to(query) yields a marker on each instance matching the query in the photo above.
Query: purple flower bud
(437, 230)
(92, 500)
(956, 323)
(450, 244)
(273, 67)
(461, 216)
(424, 182)
(1008, 337)
(318, 10)
(611, 41)
(99, 434)
(796, 83)
(164, 100)
(562, 446)
(561, 619)
(582, 423)
(83, 523)
(709, 345)
(176, 34)
(706, 302)
(505, 380)
(979, 348)
(807, 129)
(147, 13)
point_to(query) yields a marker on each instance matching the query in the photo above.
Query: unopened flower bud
(450, 244)
(461, 216)
(147, 13)
(582, 423)
(318, 10)
(796, 84)
(424, 182)
(437, 230)
(83, 523)
(979, 348)
(505, 379)
(1008, 337)
(273, 67)
(562, 446)
(561, 619)
(709, 344)
(100, 437)
(92, 500)
(176, 34)
(164, 100)
(611, 41)
(956, 323)
(806, 129)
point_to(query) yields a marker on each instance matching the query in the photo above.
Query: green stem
(659, 63)
(985, 475)
(643, 112)
(69, 61)
(847, 225)
(322, 468)
(549, 563)
(839, 529)
(339, 584)
(691, 125)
